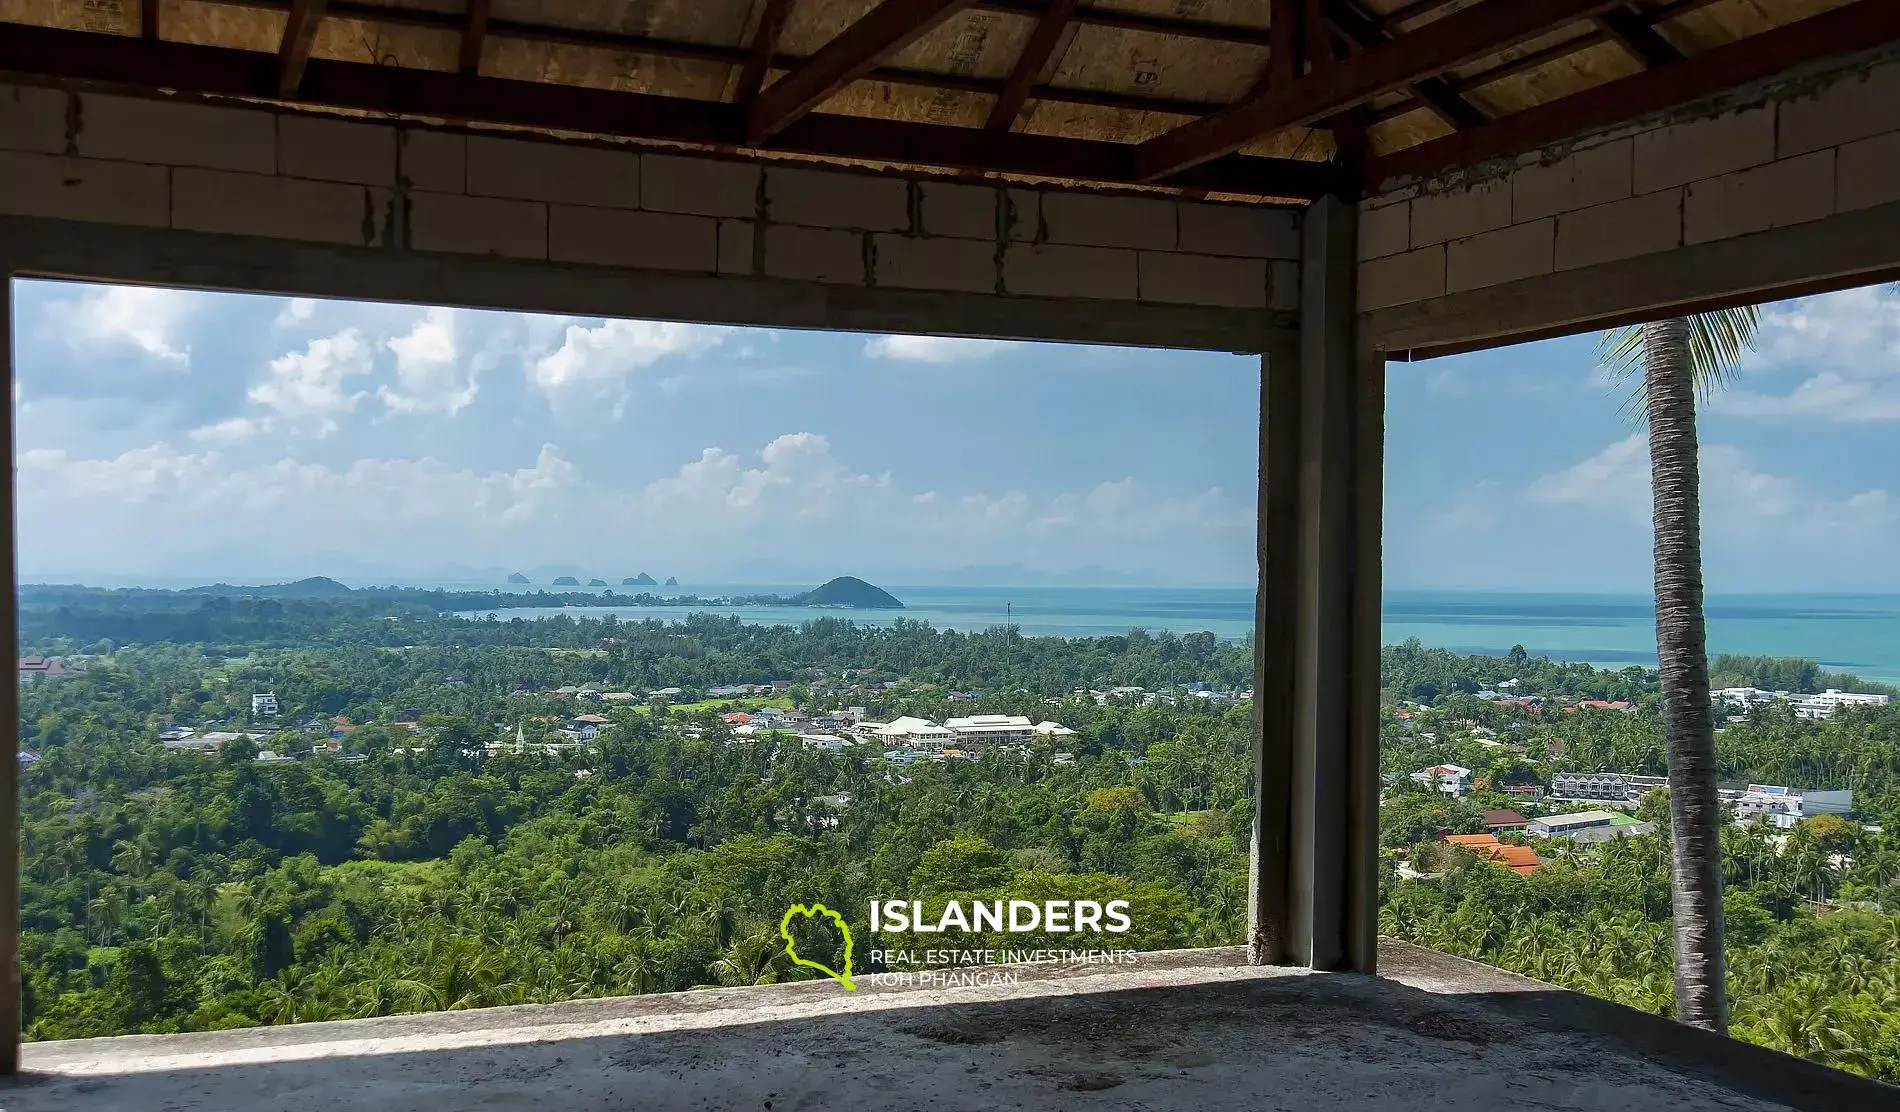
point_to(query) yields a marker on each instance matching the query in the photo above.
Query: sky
(170, 437)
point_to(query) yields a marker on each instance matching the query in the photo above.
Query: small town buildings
(1453, 780)
(1821, 705)
(830, 743)
(1055, 731)
(737, 718)
(270, 756)
(264, 705)
(1784, 807)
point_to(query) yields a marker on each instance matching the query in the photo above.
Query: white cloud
(232, 430)
(310, 388)
(139, 319)
(296, 310)
(932, 349)
(428, 377)
(1846, 348)
(1736, 497)
(595, 363)
(794, 501)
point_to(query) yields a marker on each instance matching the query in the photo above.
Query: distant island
(596, 582)
(641, 580)
(518, 579)
(848, 591)
(843, 593)
(672, 582)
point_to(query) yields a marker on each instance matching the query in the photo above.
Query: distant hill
(641, 580)
(596, 582)
(567, 581)
(317, 586)
(518, 578)
(672, 582)
(849, 590)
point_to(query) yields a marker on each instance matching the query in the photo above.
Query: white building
(830, 743)
(1053, 730)
(912, 732)
(1784, 807)
(992, 729)
(1827, 702)
(1450, 779)
(1564, 826)
(1822, 705)
(264, 705)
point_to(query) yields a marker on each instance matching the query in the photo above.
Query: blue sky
(168, 436)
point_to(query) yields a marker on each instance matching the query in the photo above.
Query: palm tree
(1677, 358)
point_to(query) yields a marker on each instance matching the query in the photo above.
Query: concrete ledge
(1183, 1029)
(1845, 250)
(36, 247)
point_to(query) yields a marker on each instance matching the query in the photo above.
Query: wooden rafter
(398, 92)
(293, 53)
(1037, 54)
(1638, 39)
(474, 33)
(887, 28)
(1350, 22)
(759, 53)
(1862, 25)
(1464, 36)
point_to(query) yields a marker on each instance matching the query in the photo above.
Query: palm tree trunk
(1695, 810)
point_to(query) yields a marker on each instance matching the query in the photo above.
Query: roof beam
(1028, 72)
(1638, 39)
(293, 53)
(398, 92)
(474, 33)
(759, 54)
(1359, 30)
(1464, 36)
(889, 27)
(1858, 26)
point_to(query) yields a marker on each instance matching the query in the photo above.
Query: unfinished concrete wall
(382, 187)
(1612, 212)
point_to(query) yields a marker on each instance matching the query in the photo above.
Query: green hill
(849, 590)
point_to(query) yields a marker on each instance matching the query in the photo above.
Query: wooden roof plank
(887, 28)
(1036, 55)
(402, 92)
(300, 34)
(1861, 25)
(1461, 37)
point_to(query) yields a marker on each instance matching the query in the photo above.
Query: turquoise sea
(1853, 633)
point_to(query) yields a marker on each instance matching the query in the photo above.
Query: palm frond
(1718, 341)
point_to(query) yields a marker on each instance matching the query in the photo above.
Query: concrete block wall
(1799, 151)
(382, 186)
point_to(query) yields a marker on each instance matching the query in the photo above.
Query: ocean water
(1852, 633)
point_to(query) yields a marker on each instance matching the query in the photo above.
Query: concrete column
(10, 717)
(1316, 690)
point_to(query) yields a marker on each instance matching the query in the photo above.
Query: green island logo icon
(791, 947)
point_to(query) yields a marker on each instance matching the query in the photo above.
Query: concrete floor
(1186, 1030)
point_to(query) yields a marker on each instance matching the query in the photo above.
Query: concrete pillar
(10, 716)
(1314, 898)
